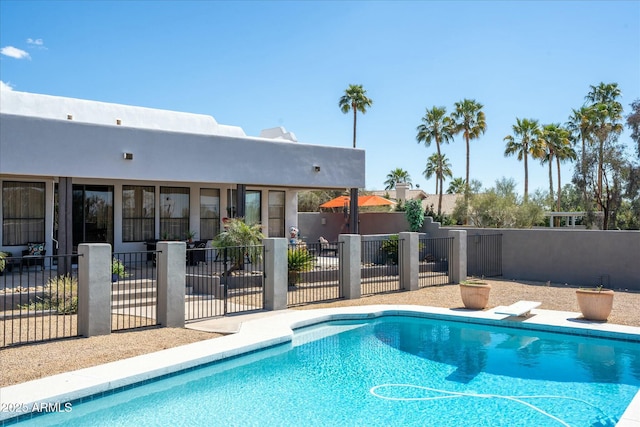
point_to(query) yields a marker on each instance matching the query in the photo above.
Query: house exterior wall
(43, 138)
(44, 147)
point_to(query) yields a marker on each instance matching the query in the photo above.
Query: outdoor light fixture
(118, 122)
(69, 116)
(128, 156)
(316, 168)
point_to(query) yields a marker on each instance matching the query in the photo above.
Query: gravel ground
(30, 362)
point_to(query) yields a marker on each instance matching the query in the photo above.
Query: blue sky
(286, 63)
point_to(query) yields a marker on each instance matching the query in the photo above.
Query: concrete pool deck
(259, 330)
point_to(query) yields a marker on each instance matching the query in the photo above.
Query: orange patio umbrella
(363, 201)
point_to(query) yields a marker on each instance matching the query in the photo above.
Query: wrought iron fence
(313, 273)
(433, 257)
(224, 281)
(379, 265)
(38, 303)
(484, 255)
(134, 290)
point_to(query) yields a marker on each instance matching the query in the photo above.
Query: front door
(92, 214)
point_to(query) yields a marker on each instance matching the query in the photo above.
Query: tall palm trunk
(526, 176)
(600, 161)
(439, 176)
(355, 111)
(551, 178)
(466, 184)
(558, 206)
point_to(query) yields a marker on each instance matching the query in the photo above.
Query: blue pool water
(392, 371)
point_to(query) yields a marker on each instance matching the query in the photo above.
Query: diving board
(520, 308)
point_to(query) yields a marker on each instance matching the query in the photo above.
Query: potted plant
(189, 235)
(299, 259)
(3, 261)
(117, 270)
(475, 293)
(389, 249)
(595, 303)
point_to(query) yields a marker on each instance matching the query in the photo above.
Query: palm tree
(606, 111)
(397, 176)
(457, 186)
(556, 144)
(438, 165)
(469, 119)
(580, 125)
(436, 126)
(566, 152)
(354, 98)
(525, 141)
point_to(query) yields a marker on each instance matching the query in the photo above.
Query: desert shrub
(60, 295)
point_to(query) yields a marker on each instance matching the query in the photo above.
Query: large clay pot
(595, 304)
(475, 296)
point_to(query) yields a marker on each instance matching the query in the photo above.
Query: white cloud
(5, 86)
(37, 42)
(14, 52)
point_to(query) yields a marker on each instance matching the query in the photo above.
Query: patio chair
(326, 247)
(34, 255)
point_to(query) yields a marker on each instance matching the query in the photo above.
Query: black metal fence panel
(433, 261)
(134, 290)
(37, 301)
(379, 270)
(484, 255)
(224, 281)
(313, 273)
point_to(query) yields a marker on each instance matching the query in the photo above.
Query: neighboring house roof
(411, 194)
(448, 200)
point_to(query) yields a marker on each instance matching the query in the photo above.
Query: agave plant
(299, 259)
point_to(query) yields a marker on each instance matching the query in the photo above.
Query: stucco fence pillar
(350, 274)
(275, 270)
(458, 262)
(171, 275)
(94, 293)
(408, 260)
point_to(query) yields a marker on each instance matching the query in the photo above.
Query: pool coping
(276, 328)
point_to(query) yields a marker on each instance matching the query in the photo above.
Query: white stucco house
(76, 171)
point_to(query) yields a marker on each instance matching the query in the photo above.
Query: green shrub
(414, 214)
(389, 248)
(117, 267)
(60, 295)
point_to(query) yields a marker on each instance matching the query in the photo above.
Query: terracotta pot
(475, 296)
(595, 304)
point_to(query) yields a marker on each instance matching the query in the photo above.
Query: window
(23, 212)
(209, 213)
(276, 213)
(253, 212)
(92, 214)
(174, 212)
(231, 203)
(138, 213)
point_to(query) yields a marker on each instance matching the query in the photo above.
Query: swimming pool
(393, 370)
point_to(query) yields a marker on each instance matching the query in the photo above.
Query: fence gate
(221, 282)
(484, 255)
(379, 265)
(434, 255)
